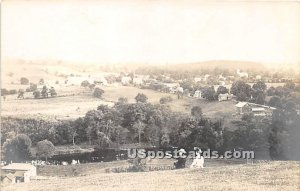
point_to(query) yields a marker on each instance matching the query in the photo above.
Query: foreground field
(259, 176)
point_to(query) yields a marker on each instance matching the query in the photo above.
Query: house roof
(10, 176)
(241, 104)
(17, 166)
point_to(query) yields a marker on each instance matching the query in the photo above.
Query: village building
(255, 109)
(198, 94)
(172, 87)
(100, 80)
(126, 80)
(138, 81)
(17, 172)
(224, 97)
(197, 79)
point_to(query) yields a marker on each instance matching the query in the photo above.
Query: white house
(197, 79)
(242, 74)
(126, 80)
(224, 97)
(198, 94)
(138, 81)
(258, 77)
(100, 80)
(18, 172)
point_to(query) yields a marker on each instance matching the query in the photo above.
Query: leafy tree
(122, 100)
(32, 87)
(241, 90)
(275, 102)
(259, 86)
(98, 92)
(92, 86)
(209, 93)
(52, 92)
(4, 92)
(45, 149)
(165, 100)
(289, 85)
(241, 96)
(17, 149)
(44, 92)
(271, 91)
(85, 83)
(260, 99)
(24, 81)
(297, 88)
(221, 90)
(141, 98)
(21, 94)
(36, 94)
(12, 91)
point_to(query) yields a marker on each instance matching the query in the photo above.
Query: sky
(150, 31)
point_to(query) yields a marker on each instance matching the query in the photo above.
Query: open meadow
(269, 176)
(75, 101)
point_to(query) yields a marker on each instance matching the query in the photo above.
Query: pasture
(75, 101)
(270, 176)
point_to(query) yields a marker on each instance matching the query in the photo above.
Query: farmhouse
(126, 80)
(198, 94)
(17, 172)
(255, 109)
(242, 107)
(100, 80)
(197, 79)
(224, 97)
(138, 81)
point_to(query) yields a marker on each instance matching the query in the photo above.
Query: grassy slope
(260, 176)
(67, 107)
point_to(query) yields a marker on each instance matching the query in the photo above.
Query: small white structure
(258, 77)
(197, 79)
(19, 172)
(198, 94)
(222, 83)
(100, 80)
(242, 74)
(206, 77)
(138, 81)
(224, 97)
(126, 80)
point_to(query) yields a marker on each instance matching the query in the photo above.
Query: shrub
(24, 81)
(36, 94)
(85, 83)
(12, 91)
(98, 92)
(165, 100)
(141, 98)
(4, 92)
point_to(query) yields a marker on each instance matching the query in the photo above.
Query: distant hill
(222, 64)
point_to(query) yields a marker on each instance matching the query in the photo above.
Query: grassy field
(258, 176)
(76, 101)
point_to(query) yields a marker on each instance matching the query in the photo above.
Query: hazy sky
(151, 31)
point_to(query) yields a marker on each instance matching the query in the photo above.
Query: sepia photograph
(150, 95)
